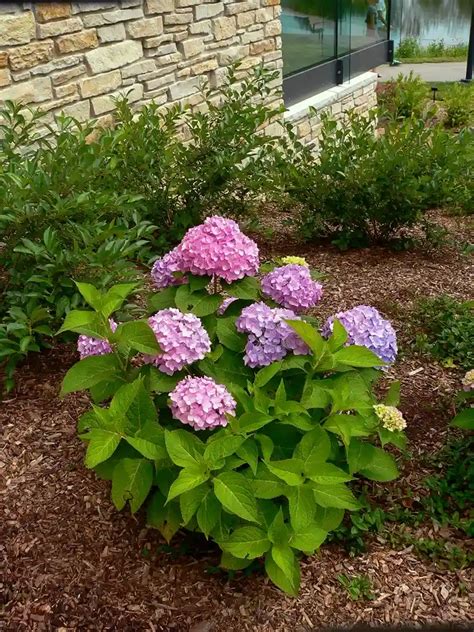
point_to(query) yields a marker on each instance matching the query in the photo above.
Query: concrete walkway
(452, 71)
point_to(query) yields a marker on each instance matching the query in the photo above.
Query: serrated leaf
(89, 372)
(184, 448)
(252, 421)
(289, 470)
(328, 518)
(86, 323)
(313, 448)
(228, 336)
(327, 474)
(358, 356)
(246, 543)
(235, 494)
(165, 518)
(290, 585)
(347, 426)
(381, 467)
(132, 480)
(308, 539)
(338, 337)
(188, 478)
(335, 496)
(189, 502)
(163, 299)
(138, 335)
(222, 448)
(301, 505)
(267, 373)
(208, 513)
(231, 563)
(266, 485)
(102, 444)
(392, 398)
(246, 288)
(310, 335)
(464, 419)
(248, 451)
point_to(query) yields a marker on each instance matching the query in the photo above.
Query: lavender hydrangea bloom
(270, 338)
(366, 327)
(292, 287)
(163, 269)
(218, 247)
(201, 403)
(88, 346)
(182, 339)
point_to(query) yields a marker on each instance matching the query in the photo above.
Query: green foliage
(458, 103)
(276, 480)
(364, 188)
(410, 49)
(404, 96)
(358, 587)
(444, 327)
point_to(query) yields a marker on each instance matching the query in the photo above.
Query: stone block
(206, 11)
(202, 67)
(83, 7)
(60, 27)
(192, 47)
(231, 55)
(111, 17)
(147, 27)
(59, 78)
(114, 56)
(5, 77)
(67, 90)
(100, 84)
(158, 6)
(17, 29)
(31, 55)
(46, 11)
(204, 27)
(184, 88)
(79, 41)
(80, 111)
(35, 91)
(105, 103)
(113, 33)
(172, 19)
(138, 68)
(224, 28)
(3, 59)
(245, 19)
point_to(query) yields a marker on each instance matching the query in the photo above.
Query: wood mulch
(70, 561)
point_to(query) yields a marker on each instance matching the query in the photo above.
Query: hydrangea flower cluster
(201, 403)
(182, 339)
(270, 338)
(218, 247)
(391, 418)
(366, 327)
(468, 381)
(299, 261)
(225, 304)
(163, 269)
(292, 287)
(88, 346)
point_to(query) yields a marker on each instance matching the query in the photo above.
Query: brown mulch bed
(70, 561)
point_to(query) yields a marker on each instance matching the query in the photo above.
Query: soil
(70, 561)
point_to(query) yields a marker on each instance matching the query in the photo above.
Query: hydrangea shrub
(224, 411)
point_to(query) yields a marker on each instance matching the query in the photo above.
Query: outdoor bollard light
(434, 90)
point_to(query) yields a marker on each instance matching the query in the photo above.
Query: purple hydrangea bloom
(163, 269)
(88, 346)
(218, 247)
(366, 327)
(225, 304)
(182, 339)
(270, 338)
(201, 403)
(292, 287)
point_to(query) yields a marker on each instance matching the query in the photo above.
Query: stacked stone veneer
(74, 57)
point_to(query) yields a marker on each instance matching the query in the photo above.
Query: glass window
(369, 22)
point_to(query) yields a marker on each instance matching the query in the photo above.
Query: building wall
(74, 57)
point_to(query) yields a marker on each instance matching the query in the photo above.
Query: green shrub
(410, 49)
(458, 101)
(274, 481)
(445, 328)
(405, 96)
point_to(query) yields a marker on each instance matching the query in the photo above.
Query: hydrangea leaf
(289, 470)
(166, 518)
(338, 496)
(137, 335)
(392, 398)
(102, 444)
(235, 494)
(89, 372)
(208, 513)
(308, 538)
(381, 467)
(246, 543)
(132, 480)
(301, 504)
(266, 485)
(328, 518)
(267, 373)
(231, 563)
(163, 299)
(327, 474)
(184, 448)
(229, 336)
(314, 447)
(222, 448)
(248, 451)
(358, 356)
(464, 419)
(188, 478)
(190, 501)
(289, 584)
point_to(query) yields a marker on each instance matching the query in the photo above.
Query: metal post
(470, 51)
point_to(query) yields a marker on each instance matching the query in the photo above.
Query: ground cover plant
(228, 413)
(410, 50)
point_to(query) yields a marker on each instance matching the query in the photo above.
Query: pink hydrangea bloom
(88, 346)
(218, 247)
(292, 287)
(201, 403)
(182, 339)
(163, 269)
(270, 338)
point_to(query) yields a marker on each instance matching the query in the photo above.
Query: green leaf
(91, 294)
(396, 438)
(301, 504)
(160, 382)
(266, 445)
(222, 448)
(188, 478)
(310, 335)
(315, 396)
(200, 303)
(335, 496)
(291, 584)
(338, 337)
(464, 419)
(284, 558)
(189, 502)
(234, 492)
(328, 518)
(358, 356)
(132, 480)
(246, 288)
(208, 513)
(139, 336)
(381, 467)
(147, 448)
(359, 455)
(392, 398)
(278, 530)
(163, 299)
(265, 375)
(327, 474)
(289, 470)
(313, 448)
(184, 448)
(248, 451)
(252, 421)
(89, 372)
(266, 485)
(165, 518)
(231, 563)
(102, 444)
(228, 336)
(87, 323)
(246, 543)
(198, 282)
(309, 538)
(347, 426)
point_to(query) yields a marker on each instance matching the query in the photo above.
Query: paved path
(452, 71)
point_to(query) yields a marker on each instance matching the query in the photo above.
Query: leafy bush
(257, 459)
(404, 96)
(445, 328)
(364, 188)
(458, 103)
(410, 49)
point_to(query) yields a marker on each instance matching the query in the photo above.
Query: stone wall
(74, 57)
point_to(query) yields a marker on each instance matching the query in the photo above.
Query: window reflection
(315, 31)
